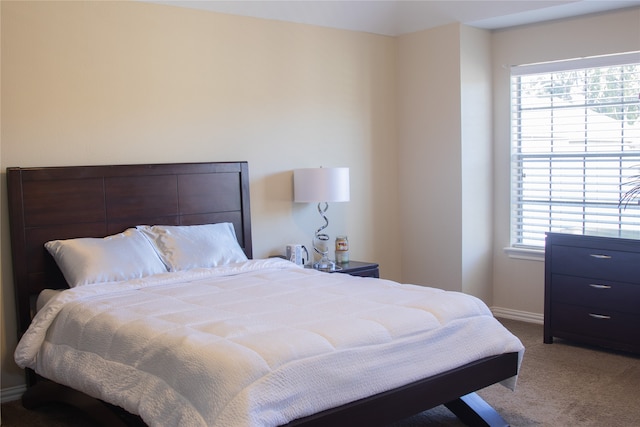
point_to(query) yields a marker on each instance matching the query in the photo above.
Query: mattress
(259, 343)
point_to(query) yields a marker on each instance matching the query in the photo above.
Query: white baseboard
(523, 316)
(10, 394)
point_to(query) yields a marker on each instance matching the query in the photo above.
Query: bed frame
(95, 201)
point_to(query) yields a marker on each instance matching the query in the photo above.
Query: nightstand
(359, 268)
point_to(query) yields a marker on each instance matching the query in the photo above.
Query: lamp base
(325, 264)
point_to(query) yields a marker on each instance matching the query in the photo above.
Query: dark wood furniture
(95, 201)
(592, 289)
(360, 268)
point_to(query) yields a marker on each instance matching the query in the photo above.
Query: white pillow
(88, 260)
(182, 247)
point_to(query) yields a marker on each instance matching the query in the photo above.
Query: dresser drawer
(596, 263)
(601, 327)
(622, 297)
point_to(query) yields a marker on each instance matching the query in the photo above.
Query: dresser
(592, 289)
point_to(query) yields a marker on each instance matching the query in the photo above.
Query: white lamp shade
(321, 185)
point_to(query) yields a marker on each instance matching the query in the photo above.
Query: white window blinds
(575, 132)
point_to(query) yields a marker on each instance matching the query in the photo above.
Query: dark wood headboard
(96, 201)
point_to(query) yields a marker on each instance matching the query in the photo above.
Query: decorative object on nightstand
(321, 185)
(342, 250)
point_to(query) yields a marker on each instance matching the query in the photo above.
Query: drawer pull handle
(599, 286)
(599, 316)
(601, 256)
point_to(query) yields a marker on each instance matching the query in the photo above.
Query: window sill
(529, 254)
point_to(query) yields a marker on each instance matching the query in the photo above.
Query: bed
(59, 204)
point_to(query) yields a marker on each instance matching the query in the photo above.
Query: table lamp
(321, 185)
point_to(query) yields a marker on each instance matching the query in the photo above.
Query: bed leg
(47, 392)
(472, 410)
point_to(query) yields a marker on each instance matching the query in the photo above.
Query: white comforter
(253, 344)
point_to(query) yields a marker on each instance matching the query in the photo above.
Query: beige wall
(519, 284)
(429, 123)
(476, 162)
(120, 82)
(444, 122)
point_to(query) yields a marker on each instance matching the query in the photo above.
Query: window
(575, 136)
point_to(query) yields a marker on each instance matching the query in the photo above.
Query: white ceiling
(400, 17)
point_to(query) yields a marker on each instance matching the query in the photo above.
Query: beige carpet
(560, 385)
